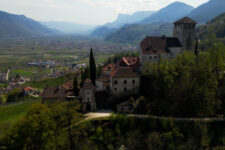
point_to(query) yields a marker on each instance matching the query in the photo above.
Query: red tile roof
(185, 20)
(158, 45)
(130, 60)
(28, 88)
(88, 84)
(123, 72)
(109, 67)
(68, 85)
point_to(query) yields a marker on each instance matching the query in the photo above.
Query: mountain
(123, 19)
(21, 26)
(69, 27)
(134, 33)
(208, 11)
(102, 31)
(170, 13)
(216, 26)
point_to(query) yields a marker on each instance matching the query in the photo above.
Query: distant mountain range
(160, 23)
(126, 28)
(208, 11)
(21, 26)
(69, 27)
(123, 19)
(170, 13)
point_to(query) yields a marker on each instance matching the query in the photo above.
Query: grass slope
(9, 114)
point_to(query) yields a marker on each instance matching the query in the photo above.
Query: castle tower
(184, 30)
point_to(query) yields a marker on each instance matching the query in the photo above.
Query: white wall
(122, 88)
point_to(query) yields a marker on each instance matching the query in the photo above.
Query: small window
(133, 81)
(156, 57)
(150, 57)
(116, 82)
(115, 89)
(88, 99)
(88, 93)
(125, 81)
(125, 89)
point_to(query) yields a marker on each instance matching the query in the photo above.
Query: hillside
(102, 31)
(216, 25)
(123, 19)
(208, 11)
(169, 14)
(69, 27)
(20, 26)
(135, 33)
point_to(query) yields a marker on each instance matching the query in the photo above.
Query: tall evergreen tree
(196, 48)
(92, 67)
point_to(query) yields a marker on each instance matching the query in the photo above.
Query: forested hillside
(136, 32)
(216, 26)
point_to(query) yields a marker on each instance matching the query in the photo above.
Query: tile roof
(185, 20)
(56, 92)
(130, 60)
(68, 85)
(157, 45)
(123, 72)
(109, 67)
(88, 84)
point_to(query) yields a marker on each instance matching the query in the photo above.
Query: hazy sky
(83, 11)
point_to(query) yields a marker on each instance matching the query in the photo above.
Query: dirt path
(95, 115)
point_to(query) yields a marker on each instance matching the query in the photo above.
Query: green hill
(134, 33)
(20, 26)
(216, 26)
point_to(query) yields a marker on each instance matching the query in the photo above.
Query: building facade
(184, 30)
(155, 48)
(123, 81)
(88, 96)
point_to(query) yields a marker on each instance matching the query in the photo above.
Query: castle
(123, 77)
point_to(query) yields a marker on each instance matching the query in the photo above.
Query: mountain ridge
(12, 25)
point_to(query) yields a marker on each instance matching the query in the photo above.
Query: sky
(92, 12)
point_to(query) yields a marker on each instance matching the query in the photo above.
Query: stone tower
(88, 96)
(184, 30)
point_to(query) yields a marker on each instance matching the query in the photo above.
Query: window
(150, 57)
(125, 82)
(115, 89)
(88, 93)
(115, 82)
(133, 81)
(125, 89)
(156, 57)
(88, 99)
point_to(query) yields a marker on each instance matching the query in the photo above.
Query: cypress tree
(92, 67)
(75, 86)
(196, 48)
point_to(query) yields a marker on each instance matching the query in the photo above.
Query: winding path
(96, 115)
